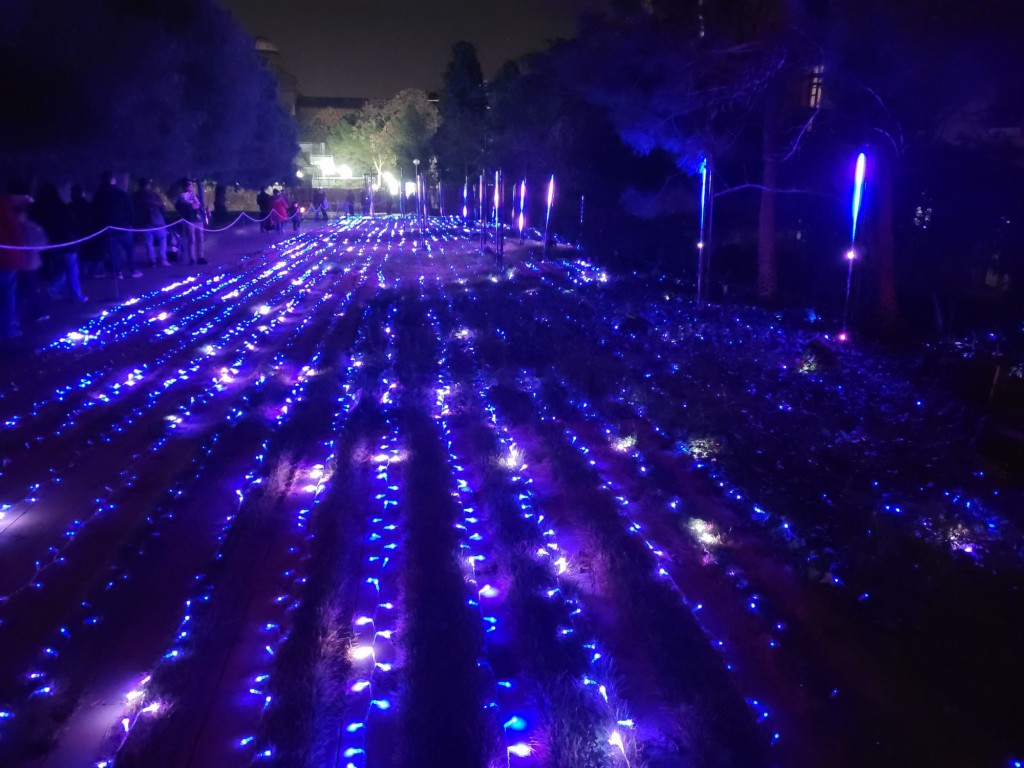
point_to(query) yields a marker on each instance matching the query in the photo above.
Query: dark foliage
(463, 106)
(145, 87)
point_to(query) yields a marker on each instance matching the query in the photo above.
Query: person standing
(34, 237)
(149, 217)
(263, 203)
(11, 233)
(82, 216)
(278, 210)
(54, 216)
(190, 208)
(114, 209)
(320, 205)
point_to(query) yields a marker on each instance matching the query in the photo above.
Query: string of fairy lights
(39, 678)
(198, 377)
(598, 680)
(190, 310)
(506, 707)
(979, 529)
(190, 407)
(310, 486)
(372, 652)
(607, 484)
(139, 700)
(106, 392)
(316, 481)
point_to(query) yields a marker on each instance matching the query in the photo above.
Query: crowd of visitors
(47, 244)
(94, 237)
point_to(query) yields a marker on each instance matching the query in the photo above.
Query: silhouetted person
(82, 216)
(321, 206)
(54, 216)
(220, 203)
(263, 203)
(149, 217)
(114, 209)
(32, 236)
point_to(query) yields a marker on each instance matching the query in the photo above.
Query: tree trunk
(767, 258)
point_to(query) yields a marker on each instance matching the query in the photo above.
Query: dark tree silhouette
(459, 143)
(143, 86)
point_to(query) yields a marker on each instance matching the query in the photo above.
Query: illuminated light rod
(522, 209)
(547, 215)
(705, 227)
(858, 192)
(851, 254)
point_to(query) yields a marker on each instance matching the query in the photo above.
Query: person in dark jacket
(263, 203)
(82, 219)
(149, 217)
(54, 216)
(114, 209)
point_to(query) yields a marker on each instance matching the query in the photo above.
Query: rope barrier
(133, 230)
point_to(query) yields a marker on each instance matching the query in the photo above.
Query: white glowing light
(704, 532)
(513, 459)
(562, 565)
(360, 652)
(616, 741)
(520, 750)
(624, 444)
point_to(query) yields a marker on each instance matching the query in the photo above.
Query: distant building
(314, 117)
(287, 85)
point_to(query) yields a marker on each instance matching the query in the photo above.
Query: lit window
(817, 81)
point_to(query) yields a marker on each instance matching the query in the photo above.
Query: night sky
(375, 48)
